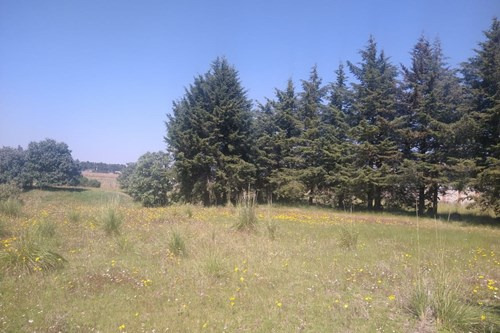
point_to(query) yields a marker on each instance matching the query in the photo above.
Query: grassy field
(94, 261)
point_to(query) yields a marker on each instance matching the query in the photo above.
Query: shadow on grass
(63, 189)
(468, 218)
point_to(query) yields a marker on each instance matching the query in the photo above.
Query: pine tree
(309, 150)
(482, 78)
(209, 136)
(432, 98)
(334, 139)
(374, 131)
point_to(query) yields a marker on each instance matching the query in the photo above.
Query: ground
(186, 268)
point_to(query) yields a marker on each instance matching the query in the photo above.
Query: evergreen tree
(432, 99)
(482, 78)
(209, 135)
(374, 133)
(335, 141)
(309, 150)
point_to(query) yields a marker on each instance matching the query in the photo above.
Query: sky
(101, 76)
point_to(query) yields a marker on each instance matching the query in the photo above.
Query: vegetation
(441, 276)
(45, 163)
(387, 139)
(150, 180)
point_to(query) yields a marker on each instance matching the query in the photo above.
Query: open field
(108, 180)
(186, 269)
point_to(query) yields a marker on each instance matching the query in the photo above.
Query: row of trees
(389, 137)
(42, 164)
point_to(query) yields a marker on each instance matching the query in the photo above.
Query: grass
(111, 221)
(301, 280)
(11, 207)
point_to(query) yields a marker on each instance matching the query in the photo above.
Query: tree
(374, 131)
(49, 163)
(209, 135)
(482, 79)
(432, 97)
(12, 166)
(151, 179)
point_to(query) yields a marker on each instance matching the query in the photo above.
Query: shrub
(9, 191)
(247, 219)
(86, 182)
(176, 244)
(111, 222)
(348, 239)
(29, 255)
(11, 207)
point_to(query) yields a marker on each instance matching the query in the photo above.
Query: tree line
(378, 136)
(43, 164)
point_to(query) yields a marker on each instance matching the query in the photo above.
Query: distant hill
(100, 167)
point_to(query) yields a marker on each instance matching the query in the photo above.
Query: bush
(111, 222)
(176, 245)
(29, 255)
(11, 207)
(86, 182)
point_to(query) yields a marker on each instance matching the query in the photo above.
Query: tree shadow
(64, 189)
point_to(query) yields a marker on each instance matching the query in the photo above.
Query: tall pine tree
(374, 131)
(209, 135)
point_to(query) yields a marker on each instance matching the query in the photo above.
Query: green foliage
(176, 244)
(86, 182)
(208, 134)
(111, 221)
(125, 176)
(28, 255)
(11, 207)
(50, 163)
(12, 167)
(9, 191)
(150, 180)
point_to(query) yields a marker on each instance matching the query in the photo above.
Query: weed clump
(247, 219)
(176, 244)
(74, 216)
(348, 239)
(440, 302)
(215, 267)
(11, 207)
(46, 229)
(112, 222)
(29, 255)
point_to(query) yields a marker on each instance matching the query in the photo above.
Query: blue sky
(101, 75)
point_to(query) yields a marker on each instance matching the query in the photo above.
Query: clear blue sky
(101, 75)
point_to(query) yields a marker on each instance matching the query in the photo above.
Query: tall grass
(28, 254)
(247, 217)
(176, 244)
(11, 207)
(111, 222)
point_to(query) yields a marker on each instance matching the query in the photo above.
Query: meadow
(94, 261)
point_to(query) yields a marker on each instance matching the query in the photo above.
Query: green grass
(442, 278)
(11, 207)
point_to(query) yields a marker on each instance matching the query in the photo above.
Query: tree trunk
(378, 198)
(435, 196)
(421, 200)
(369, 197)
(311, 196)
